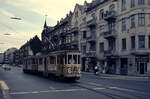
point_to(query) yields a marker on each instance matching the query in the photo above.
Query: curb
(125, 76)
(5, 90)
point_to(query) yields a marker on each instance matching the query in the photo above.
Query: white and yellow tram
(62, 64)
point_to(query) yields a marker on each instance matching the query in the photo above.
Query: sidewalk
(119, 76)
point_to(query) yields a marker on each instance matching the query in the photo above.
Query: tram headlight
(69, 70)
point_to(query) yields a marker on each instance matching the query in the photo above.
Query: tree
(35, 44)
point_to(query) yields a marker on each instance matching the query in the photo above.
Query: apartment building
(115, 35)
(62, 36)
(111, 34)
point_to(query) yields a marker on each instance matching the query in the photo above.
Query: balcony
(110, 53)
(110, 15)
(74, 30)
(92, 37)
(74, 41)
(91, 23)
(110, 34)
(91, 53)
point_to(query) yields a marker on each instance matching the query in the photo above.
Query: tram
(61, 64)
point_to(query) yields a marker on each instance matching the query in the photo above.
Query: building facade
(115, 36)
(1, 58)
(9, 56)
(111, 34)
(62, 36)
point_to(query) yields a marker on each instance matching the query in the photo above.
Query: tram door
(60, 64)
(45, 67)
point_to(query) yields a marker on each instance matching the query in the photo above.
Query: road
(26, 86)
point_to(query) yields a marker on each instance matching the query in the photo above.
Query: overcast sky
(32, 13)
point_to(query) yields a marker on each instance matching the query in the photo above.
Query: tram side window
(52, 60)
(33, 61)
(74, 59)
(61, 60)
(79, 59)
(69, 59)
(40, 61)
(65, 59)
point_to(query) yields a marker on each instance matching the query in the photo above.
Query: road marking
(46, 91)
(5, 89)
(99, 88)
(130, 90)
(123, 89)
(91, 83)
(52, 88)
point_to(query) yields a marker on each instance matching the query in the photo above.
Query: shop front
(142, 63)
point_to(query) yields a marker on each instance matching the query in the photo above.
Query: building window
(142, 41)
(101, 14)
(149, 42)
(132, 21)
(76, 14)
(101, 28)
(123, 5)
(124, 44)
(83, 49)
(141, 19)
(133, 42)
(141, 2)
(84, 34)
(149, 18)
(123, 24)
(112, 7)
(84, 20)
(93, 16)
(149, 2)
(132, 3)
(101, 47)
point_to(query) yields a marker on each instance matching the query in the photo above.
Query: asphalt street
(27, 86)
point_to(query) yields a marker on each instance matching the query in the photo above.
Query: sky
(15, 33)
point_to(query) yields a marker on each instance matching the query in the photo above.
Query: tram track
(96, 89)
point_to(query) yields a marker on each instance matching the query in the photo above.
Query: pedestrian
(96, 70)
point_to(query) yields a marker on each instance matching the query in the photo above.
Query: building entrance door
(142, 68)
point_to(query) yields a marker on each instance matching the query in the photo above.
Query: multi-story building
(9, 56)
(112, 34)
(115, 35)
(16, 57)
(63, 36)
(1, 58)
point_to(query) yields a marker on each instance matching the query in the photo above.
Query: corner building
(115, 35)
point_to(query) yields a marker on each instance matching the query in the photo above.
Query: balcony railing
(109, 52)
(110, 34)
(91, 22)
(91, 53)
(92, 37)
(110, 15)
(74, 29)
